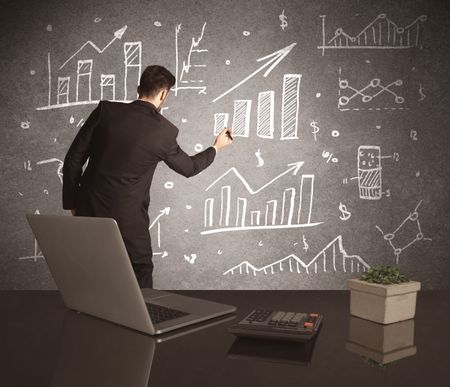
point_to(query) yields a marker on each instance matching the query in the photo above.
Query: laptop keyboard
(159, 313)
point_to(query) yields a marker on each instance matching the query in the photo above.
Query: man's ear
(139, 90)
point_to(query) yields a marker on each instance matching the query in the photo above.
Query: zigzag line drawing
(296, 264)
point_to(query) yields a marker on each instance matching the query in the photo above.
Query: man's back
(124, 142)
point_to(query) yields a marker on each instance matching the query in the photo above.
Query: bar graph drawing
(81, 90)
(290, 208)
(381, 33)
(265, 125)
(332, 258)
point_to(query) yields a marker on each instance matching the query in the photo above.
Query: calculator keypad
(294, 321)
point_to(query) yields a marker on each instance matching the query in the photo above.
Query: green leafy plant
(386, 275)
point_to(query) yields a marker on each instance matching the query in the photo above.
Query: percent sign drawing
(329, 156)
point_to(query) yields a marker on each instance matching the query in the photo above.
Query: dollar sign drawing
(305, 245)
(283, 18)
(313, 125)
(422, 95)
(345, 213)
(260, 159)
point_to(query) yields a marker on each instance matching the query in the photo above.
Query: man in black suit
(124, 142)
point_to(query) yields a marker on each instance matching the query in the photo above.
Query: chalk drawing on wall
(345, 213)
(332, 258)
(381, 33)
(156, 223)
(117, 35)
(413, 217)
(259, 157)
(37, 252)
(272, 59)
(289, 208)
(329, 157)
(188, 64)
(65, 96)
(316, 129)
(421, 93)
(265, 112)
(367, 97)
(60, 166)
(190, 258)
(369, 172)
(283, 19)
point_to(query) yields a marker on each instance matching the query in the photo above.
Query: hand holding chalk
(224, 138)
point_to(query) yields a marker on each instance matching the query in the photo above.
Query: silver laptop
(91, 268)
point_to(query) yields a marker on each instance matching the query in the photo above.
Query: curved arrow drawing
(293, 167)
(276, 57)
(117, 35)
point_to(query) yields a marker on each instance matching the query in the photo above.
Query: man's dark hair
(153, 79)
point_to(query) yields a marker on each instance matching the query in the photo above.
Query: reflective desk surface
(44, 344)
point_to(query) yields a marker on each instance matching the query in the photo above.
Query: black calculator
(278, 325)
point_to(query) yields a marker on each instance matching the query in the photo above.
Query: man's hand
(224, 138)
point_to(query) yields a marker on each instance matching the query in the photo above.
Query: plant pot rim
(383, 289)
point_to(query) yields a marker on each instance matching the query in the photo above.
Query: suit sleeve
(75, 158)
(186, 165)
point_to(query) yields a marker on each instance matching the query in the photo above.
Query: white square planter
(383, 304)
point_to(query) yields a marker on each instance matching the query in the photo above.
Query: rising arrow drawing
(276, 57)
(117, 35)
(293, 167)
(164, 211)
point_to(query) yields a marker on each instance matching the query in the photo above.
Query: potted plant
(383, 295)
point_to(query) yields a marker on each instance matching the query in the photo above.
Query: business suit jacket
(124, 142)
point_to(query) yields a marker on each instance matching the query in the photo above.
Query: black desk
(44, 344)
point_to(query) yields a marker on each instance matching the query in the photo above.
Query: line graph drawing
(37, 252)
(325, 260)
(84, 68)
(290, 208)
(187, 64)
(60, 166)
(157, 222)
(117, 35)
(290, 98)
(348, 93)
(275, 58)
(390, 237)
(381, 33)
